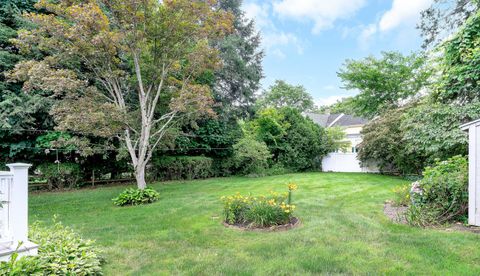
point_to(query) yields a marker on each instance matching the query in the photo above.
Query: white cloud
(322, 12)
(403, 12)
(273, 39)
(278, 53)
(329, 100)
(403, 15)
(259, 13)
(366, 35)
(329, 87)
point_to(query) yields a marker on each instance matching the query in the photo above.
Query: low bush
(223, 167)
(61, 176)
(61, 251)
(182, 167)
(133, 196)
(261, 211)
(442, 195)
(251, 156)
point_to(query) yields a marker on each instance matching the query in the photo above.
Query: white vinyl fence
(14, 212)
(344, 162)
(473, 130)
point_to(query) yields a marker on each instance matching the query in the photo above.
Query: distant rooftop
(330, 120)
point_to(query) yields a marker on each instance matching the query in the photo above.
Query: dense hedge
(182, 167)
(60, 176)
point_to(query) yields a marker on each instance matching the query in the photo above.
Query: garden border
(294, 223)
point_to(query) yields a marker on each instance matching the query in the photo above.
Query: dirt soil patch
(294, 222)
(397, 215)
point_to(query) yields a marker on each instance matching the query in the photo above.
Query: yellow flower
(292, 187)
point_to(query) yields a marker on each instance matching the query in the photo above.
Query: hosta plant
(133, 196)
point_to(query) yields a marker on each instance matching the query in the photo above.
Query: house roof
(329, 120)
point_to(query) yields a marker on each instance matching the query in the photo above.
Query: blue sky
(306, 41)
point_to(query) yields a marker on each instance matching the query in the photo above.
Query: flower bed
(260, 212)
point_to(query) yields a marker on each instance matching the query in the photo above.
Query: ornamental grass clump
(259, 212)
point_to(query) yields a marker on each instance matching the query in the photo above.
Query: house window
(354, 150)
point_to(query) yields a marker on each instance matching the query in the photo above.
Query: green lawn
(344, 230)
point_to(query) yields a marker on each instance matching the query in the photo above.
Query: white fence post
(19, 202)
(473, 129)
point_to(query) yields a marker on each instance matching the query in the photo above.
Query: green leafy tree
(139, 64)
(251, 156)
(460, 66)
(282, 94)
(385, 82)
(383, 143)
(336, 139)
(295, 141)
(268, 126)
(305, 142)
(433, 130)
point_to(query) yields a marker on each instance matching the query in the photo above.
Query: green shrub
(61, 251)
(295, 141)
(133, 196)
(442, 195)
(251, 156)
(182, 167)
(402, 195)
(262, 211)
(60, 176)
(16, 266)
(223, 167)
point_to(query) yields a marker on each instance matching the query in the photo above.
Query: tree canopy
(281, 94)
(139, 64)
(384, 83)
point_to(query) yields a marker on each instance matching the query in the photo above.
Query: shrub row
(182, 167)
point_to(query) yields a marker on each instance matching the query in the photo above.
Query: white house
(473, 129)
(343, 161)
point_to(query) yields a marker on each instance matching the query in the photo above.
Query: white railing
(6, 181)
(14, 212)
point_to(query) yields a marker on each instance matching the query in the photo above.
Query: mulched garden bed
(397, 215)
(294, 222)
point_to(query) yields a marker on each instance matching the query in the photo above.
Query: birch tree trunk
(140, 176)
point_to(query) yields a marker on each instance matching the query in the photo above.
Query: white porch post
(19, 202)
(473, 129)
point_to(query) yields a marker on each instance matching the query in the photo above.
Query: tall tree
(239, 78)
(443, 18)
(124, 68)
(281, 94)
(384, 82)
(460, 65)
(17, 109)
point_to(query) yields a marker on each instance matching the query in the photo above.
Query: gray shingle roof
(326, 120)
